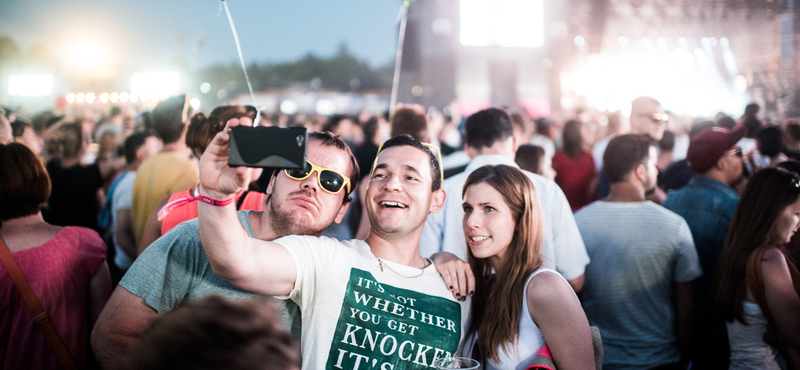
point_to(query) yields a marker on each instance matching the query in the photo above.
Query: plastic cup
(456, 363)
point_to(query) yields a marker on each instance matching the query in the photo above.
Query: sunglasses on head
(659, 117)
(737, 151)
(329, 180)
(432, 148)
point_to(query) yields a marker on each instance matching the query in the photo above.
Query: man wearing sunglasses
(707, 204)
(174, 267)
(374, 303)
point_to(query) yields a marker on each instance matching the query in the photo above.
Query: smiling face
(302, 207)
(787, 223)
(488, 222)
(399, 196)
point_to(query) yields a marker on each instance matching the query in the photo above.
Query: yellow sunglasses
(329, 180)
(433, 148)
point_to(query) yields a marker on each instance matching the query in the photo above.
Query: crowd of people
(641, 242)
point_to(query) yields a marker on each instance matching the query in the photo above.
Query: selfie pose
(756, 285)
(518, 306)
(178, 207)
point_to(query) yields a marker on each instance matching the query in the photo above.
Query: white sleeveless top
(748, 349)
(530, 341)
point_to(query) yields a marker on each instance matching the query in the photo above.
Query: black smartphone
(268, 147)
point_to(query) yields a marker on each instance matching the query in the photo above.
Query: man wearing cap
(707, 204)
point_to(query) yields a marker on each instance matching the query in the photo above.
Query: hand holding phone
(217, 179)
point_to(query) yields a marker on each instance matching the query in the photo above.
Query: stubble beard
(284, 223)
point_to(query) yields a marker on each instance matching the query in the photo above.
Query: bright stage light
(740, 83)
(205, 87)
(70, 98)
(156, 84)
(325, 107)
(134, 97)
(144, 98)
(288, 107)
(123, 97)
(579, 41)
(195, 103)
(30, 85)
(114, 97)
(622, 41)
(104, 97)
(510, 23)
(700, 56)
(90, 98)
(80, 97)
(685, 80)
(85, 55)
(723, 41)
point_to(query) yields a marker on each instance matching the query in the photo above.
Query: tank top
(748, 349)
(530, 340)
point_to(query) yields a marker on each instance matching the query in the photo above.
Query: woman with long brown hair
(518, 305)
(756, 284)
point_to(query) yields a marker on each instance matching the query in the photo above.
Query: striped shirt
(638, 250)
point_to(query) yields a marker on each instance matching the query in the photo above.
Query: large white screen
(510, 23)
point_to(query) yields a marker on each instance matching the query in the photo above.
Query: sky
(145, 32)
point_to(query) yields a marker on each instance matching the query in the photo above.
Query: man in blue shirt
(707, 204)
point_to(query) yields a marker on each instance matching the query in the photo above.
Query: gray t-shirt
(175, 268)
(638, 250)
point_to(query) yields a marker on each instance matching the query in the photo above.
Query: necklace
(382, 264)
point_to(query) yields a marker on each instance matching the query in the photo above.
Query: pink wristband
(180, 202)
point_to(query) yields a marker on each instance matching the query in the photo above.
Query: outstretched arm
(555, 309)
(251, 264)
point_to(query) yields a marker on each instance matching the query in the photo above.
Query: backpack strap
(241, 200)
(40, 317)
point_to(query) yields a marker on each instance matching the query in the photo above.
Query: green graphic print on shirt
(383, 327)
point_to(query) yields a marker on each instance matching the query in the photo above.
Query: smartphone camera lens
(300, 140)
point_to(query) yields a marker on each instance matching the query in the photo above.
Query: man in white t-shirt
(365, 304)
(490, 141)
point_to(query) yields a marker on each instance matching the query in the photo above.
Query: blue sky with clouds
(145, 32)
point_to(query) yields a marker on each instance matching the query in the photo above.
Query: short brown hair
(25, 184)
(216, 333)
(624, 153)
(410, 121)
(327, 138)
